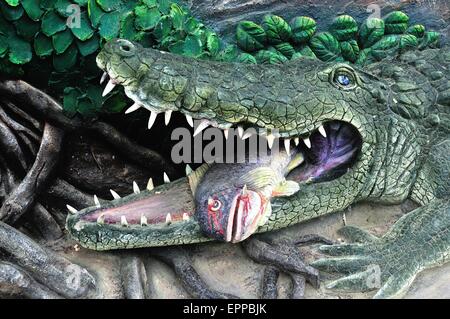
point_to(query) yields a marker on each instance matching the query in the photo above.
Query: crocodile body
(400, 108)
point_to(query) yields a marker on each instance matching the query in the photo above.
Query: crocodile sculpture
(397, 111)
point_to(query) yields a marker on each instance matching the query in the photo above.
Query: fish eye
(215, 204)
(344, 78)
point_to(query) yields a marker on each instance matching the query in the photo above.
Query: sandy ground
(226, 268)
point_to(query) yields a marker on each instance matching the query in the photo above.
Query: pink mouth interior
(176, 202)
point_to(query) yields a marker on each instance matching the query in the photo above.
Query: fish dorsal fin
(196, 176)
(285, 189)
(260, 178)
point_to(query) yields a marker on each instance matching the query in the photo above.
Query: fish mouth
(246, 212)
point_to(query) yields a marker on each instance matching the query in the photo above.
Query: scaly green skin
(401, 109)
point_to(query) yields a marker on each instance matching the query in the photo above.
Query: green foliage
(277, 30)
(396, 22)
(250, 36)
(373, 40)
(303, 28)
(48, 34)
(44, 40)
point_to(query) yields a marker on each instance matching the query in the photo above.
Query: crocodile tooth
(114, 194)
(143, 220)
(123, 221)
(167, 117)
(104, 76)
(166, 178)
(71, 209)
(97, 202)
(307, 142)
(244, 190)
(190, 120)
(322, 131)
(270, 139)
(152, 119)
(246, 135)
(188, 170)
(287, 146)
(168, 218)
(109, 87)
(296, 141)
(134, 107)
(185, 216)
(136, 189)
(203, 124)
(225, 132)
(240, 130)
(150, 184)
(101, 219)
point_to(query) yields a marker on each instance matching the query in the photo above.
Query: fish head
(231, 214)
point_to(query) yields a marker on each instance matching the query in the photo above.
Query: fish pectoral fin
(296, 161)
(285, 188)
(259, 178)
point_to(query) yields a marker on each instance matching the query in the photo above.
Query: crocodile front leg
(419, 240)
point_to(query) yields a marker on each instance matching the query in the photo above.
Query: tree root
(60, 275)
(134, 278)
(22, 198)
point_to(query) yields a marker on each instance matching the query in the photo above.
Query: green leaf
(9, 69)
(13, 3)
(127, 28)
(19, 51)
(70, 100)
(109, 5)
(178, 16)
(109, 26)
(52, 23)
(286, 49)
(63, 7)
(277, 30)
(85, 31)
(33, 9)
(26, 28)
(164, 6)
(43, 45)
(430, 40)
(67, 60)
(344, 28)
(115, 102)
(371, 31)
(350, 50)
(95, 13)
(269, 57)
(11, 13)
(192, 46)
(212, 43)
(146, 19)
(228, 54)
(326, 47)
(246, 58)
(307, 52)
(396, 22)
(86, 106)
(417, 30)
(61, 41)
(363, 57)
(177, 47)
(408, 41)
(163, 27)
(250, 36)
(303, 28)
(3, 46)
(387, 46)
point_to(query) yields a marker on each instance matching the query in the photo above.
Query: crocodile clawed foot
(284, 255)
(179, 260)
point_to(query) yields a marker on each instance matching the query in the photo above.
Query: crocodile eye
(344, 78)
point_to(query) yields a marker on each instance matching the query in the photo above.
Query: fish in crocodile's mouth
(328, 154)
